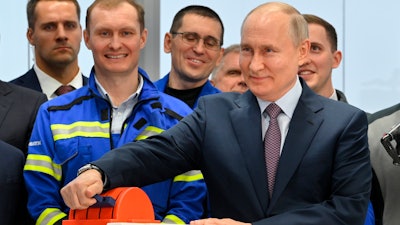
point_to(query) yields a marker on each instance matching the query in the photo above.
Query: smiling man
(194, 42)
(322, 58)
(119, 105)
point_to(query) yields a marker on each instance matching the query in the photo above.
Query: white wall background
(368, 32)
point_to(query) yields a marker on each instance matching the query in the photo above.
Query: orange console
(117, 205)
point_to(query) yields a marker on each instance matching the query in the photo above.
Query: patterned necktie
(64, 89)
(272, 144)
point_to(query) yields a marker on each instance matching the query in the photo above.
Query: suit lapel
(302, 129)
(30, 80)
(5, 103)
(85, 80)
(246, 122)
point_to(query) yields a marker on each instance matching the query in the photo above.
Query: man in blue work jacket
(119, 105)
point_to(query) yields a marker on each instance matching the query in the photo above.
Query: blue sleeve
(187, 198)
(43, 176)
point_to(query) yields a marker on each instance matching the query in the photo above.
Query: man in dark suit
(323, 175)
(18, 108)
(13, 209)
(55, 32)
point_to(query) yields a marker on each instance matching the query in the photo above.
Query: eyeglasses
(192, 38)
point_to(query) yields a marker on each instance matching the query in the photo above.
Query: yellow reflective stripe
(172, 219)
(148, 132)
(49, 216)
(43, 164)
(189, 176)
(84, 129)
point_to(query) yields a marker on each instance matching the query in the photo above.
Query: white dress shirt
(49, 85)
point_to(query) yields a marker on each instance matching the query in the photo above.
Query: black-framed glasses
(193, 38)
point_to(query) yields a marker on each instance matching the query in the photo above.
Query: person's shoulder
(384, 113)
(336, 109)
(9, 151)
(337, 105)
(381, 122)
(222, 98)
(209, 89)
(225, 102)
(162, 82)
(21, 79)
(224, 95)
(22, 91)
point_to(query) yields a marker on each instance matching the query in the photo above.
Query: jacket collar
(149, 90)
(206, 90)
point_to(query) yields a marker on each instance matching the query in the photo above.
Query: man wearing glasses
(194, 42)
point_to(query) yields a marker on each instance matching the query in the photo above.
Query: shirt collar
(287, 102)
(334, 96)
(134, 95)
(49, 85)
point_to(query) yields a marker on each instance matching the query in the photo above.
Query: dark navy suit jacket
(323, 176)
(13, 209)
(18, 109)
(30, 80)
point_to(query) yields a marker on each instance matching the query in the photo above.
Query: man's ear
(221, 54)
(167, 42)
(29, 36)
(304, 49)
(337, 59)
(143, 38)
(86, 37)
